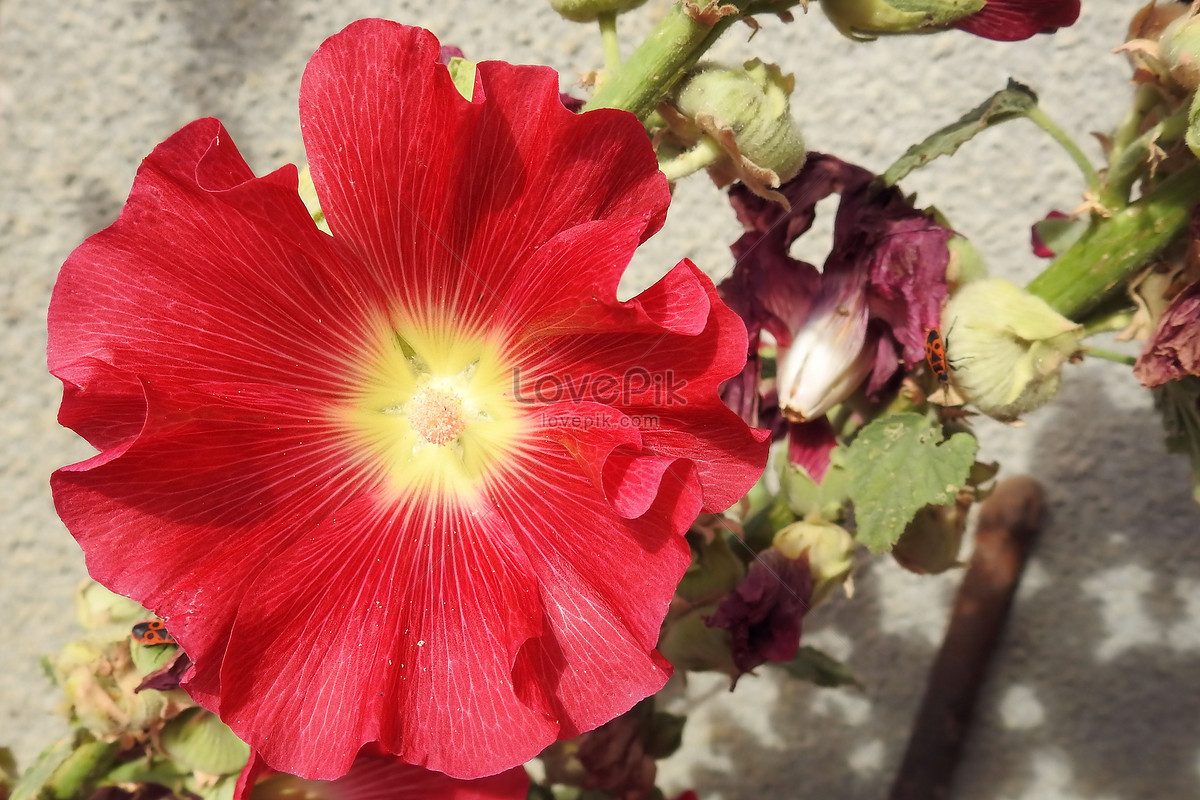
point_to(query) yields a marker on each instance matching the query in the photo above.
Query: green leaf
(33, 783)
(1013, 102)
(820, 668)
(898, 465)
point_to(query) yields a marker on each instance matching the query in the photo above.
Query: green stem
(1145, 98)
(1110, 355)
(705, 153)
(659, 62)
(1116, 247)
(1067, 143)
(1108, 323)
(608, 35)
(1126, 167)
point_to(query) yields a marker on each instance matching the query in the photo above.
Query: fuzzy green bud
(829, 548)
(99, 681)
(98, 609)
(1007, 347)
(589, 10)
(867, 19)
(931, 542)
(1179, 47)
(747, 112)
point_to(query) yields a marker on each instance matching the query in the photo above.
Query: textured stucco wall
(1096, 693)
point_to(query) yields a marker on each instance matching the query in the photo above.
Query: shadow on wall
(1094, 693)
(230, 40)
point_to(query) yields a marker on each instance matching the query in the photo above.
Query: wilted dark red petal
(904, 255)
(764, 614)
(809, 446)
(1035, 239)
(1013, 20)
(1174, 349)
(446, 199)
(615, 760)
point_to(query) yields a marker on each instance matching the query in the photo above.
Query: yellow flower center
(431, 408)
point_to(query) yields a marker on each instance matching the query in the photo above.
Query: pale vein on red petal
(603, 603)
(372, 660)
(434, 203)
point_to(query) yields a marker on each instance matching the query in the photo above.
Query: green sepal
(898, 465)
(1061, 233)
(714, 572)
(67, 769)
(200, 741)
(462, 72)
(148, 658)
(148, 770)
(1013, 102)
(663, 734)
(820, 669)
(221, 790)
(759, 530)
(806, 498)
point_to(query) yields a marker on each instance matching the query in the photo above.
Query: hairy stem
(659, 62)
(1116, 247)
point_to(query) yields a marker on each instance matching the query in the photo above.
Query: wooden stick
(1008, 524)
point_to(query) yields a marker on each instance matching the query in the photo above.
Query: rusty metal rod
(1008, 524)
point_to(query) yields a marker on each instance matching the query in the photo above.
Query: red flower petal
(452, 194)
(379, 777)
(1013, 20)
(212, 341)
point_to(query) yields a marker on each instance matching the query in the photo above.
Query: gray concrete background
(1095, 694)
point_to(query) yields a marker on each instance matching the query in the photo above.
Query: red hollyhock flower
(378, 777)
(1013, 20)
(422, 482)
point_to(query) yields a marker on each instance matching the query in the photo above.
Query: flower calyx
(1007, 347)
(590, 10)
(868, 19)
(740, 118)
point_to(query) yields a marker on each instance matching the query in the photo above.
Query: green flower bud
(1006, 347)
(830, 551)
(930, 543)
(867, 19)
(1179, 48)
(97, 609)
(589, 10)
(99, 679)
(747, 113)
